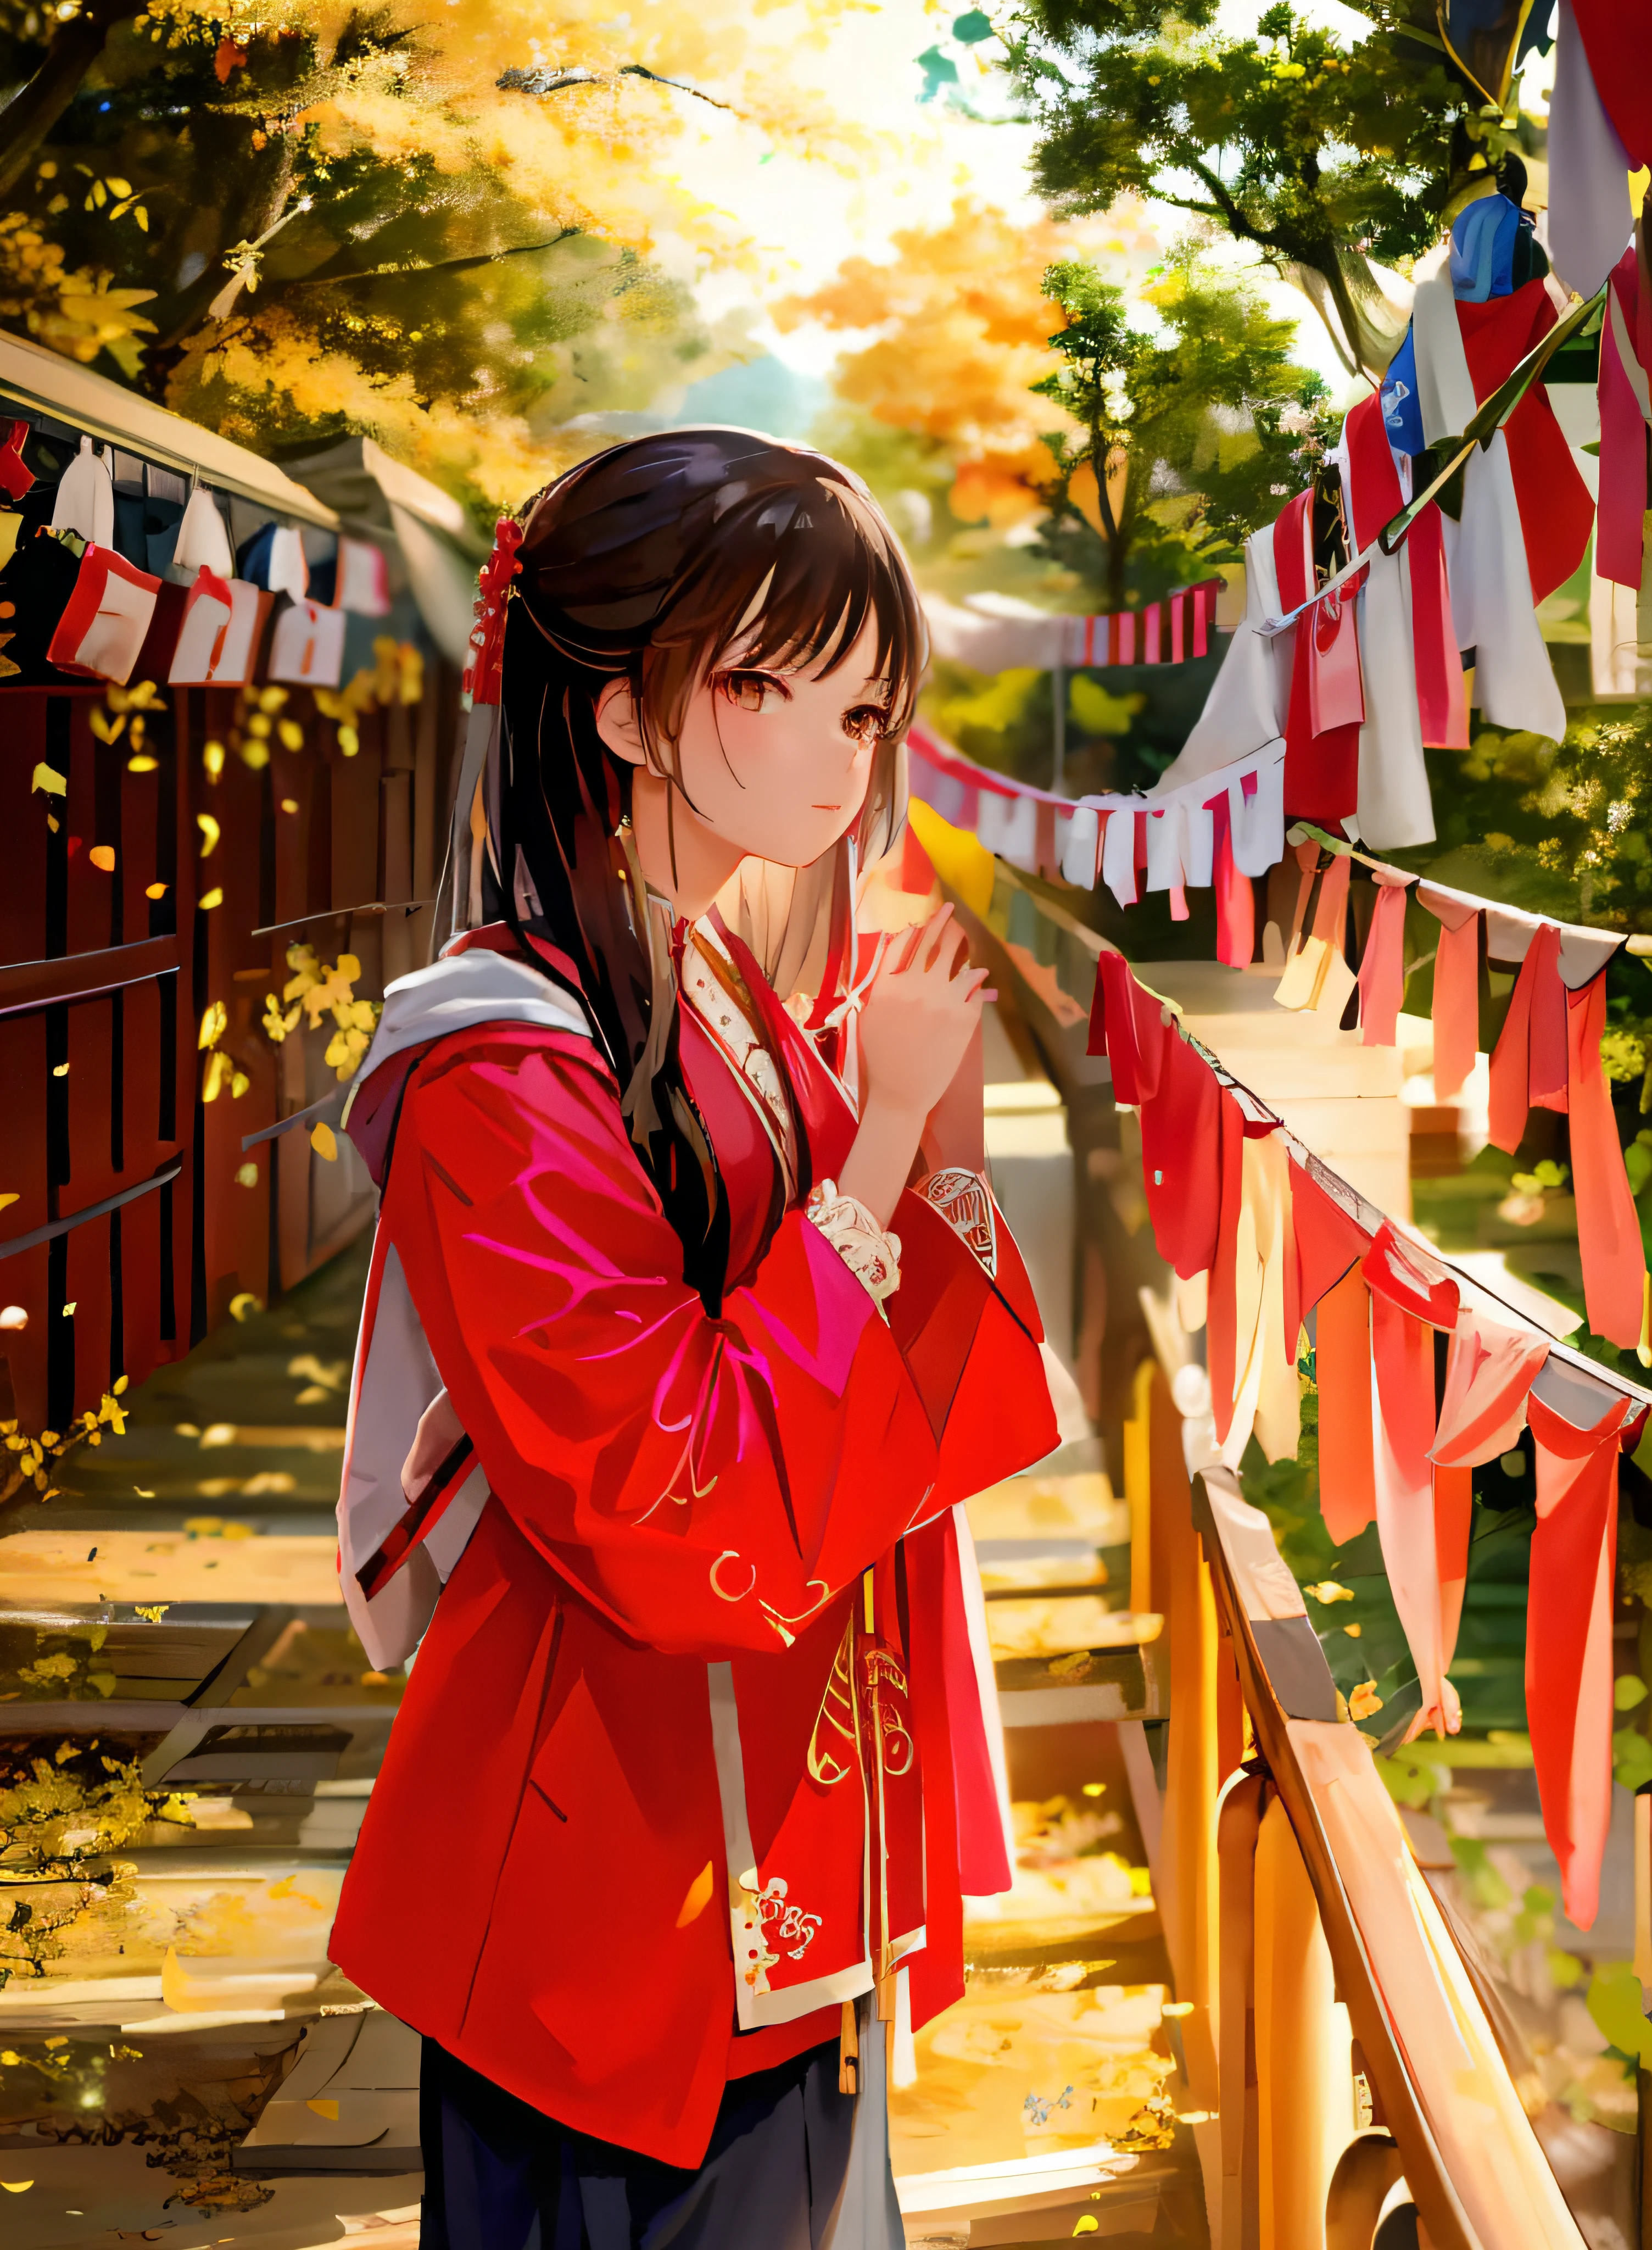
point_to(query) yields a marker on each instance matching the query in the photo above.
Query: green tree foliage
(1194, 432)
(1321, 153)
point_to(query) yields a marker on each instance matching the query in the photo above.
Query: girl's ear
(616, 723)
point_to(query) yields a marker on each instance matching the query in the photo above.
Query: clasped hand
(915, 1025)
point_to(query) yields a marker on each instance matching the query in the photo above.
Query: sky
(801, 219)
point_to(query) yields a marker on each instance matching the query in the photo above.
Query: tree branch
(323, 279)
(35, 108)
(1349, 347)
(517, 81)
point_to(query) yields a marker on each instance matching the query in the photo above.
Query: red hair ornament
(482, 682)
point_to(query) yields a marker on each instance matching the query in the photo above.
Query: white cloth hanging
(1119, 856)
(1256, 823)
(1395, 807)
(289, 573)
(1082, 846)
(202, 539)
(85, 502)
(1492, 611)
(1245, 709)
(1590, 220)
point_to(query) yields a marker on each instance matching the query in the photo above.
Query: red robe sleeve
(706, 1482)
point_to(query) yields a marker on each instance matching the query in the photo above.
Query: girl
(676, 1362)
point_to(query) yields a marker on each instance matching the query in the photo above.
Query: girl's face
(773, 760)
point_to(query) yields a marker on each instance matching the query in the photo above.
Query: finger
(920, 938)
(950, 946)
(934, 932)
(958, 961)
(897, 952)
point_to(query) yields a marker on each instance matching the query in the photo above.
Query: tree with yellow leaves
(432, 226)
(961, 323)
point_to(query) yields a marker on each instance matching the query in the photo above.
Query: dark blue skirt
(792, 2164)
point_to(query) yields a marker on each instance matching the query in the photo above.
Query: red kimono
(688, 1739)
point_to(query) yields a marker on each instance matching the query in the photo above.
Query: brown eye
(865, 723)
(750, 691)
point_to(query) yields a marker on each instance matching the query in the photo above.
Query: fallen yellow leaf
(48, 778)
(324, 1143)
(102, 855)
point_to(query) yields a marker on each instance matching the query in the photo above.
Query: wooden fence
(160, 881)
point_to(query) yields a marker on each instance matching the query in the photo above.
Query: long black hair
(647, 564)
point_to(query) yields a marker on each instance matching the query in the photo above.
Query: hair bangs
(826, 567)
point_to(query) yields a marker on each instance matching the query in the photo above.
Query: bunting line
(1368, 1216)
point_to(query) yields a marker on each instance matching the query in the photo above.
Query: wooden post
(1182, 1593)
(1138, 1452)
(1303, 2063)
(1237, 1831)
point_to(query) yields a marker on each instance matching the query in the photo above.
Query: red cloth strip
(1382, 968)
(1456, 1004)
(1488, 1375)
(1222, 1316)
(1617, 38)
(1442, 704)
(1336, 685)
(1443, 701)
(1329, 1239)
(1375, 480)
(1408, 1277)
(1342, 1367)
(1322, 772)
(1624, 481)
(1555, 512)
(1608, 1226)
(1568, 1641)
(15, 477)
(1180, 1126)
(1453, 1523)
(1511, 1065)
(1235, 897)
(1402, 1359)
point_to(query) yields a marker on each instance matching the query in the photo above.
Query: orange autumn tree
(960, 328)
